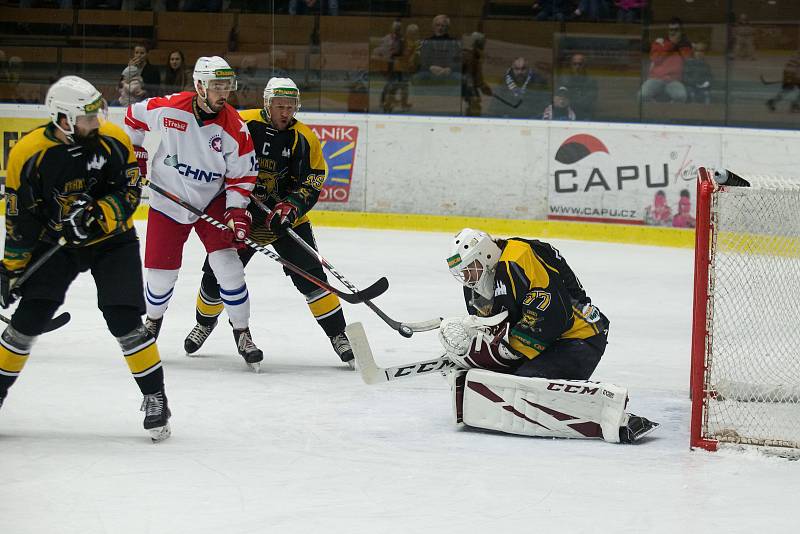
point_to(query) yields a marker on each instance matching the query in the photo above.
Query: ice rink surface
(306, 447)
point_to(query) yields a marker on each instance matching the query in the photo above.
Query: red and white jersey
(195, 159)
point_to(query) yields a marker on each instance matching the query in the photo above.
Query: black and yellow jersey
(544, 299)
(291, 167)
(46, 175)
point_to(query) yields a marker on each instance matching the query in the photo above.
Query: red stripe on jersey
(133, 122)
(233, 125)
(182, 101)
(251, 179)
(244, 192)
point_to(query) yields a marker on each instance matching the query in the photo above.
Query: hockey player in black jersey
(529, 316)
(291, 173)
(75, 182)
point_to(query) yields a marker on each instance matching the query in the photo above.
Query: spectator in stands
(391, 50)
(592, 10)
(658, 213)
(177, 76)
(411, 50)
(667, 58)
(582, 88)
(697, 75)
(684, 217)
(790, 83)
(473, 83)
(131, 87)
(630, 10)
(744, 35)
(560, 109)
(311, 7)
(150, 74)
(251, 87)
(521, 94)
(440, 54)
(558, 10)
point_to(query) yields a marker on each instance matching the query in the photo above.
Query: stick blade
(375, 290)
(365, 361)
(57, 322)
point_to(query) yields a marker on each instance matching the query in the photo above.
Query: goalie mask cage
(745, 378)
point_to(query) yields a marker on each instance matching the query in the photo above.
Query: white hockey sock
(229, 271)
(158, 291)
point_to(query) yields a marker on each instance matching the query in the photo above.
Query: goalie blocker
(545, 407)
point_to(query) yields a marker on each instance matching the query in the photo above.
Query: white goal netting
(752, 376)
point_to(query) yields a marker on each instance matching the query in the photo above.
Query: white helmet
(471, 246)
(214, 69)
(281, 88)
(73, 97)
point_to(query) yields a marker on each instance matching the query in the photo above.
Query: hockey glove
(7, 281)
(238, 220)
(141, 160)
(283, 216)
(79, 225)
(478, 342)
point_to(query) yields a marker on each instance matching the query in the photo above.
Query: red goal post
(745, 371)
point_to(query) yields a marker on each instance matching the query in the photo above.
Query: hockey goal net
(746, 326)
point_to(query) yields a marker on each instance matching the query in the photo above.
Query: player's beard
(90, 140)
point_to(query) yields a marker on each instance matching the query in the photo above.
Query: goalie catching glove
(478, 342)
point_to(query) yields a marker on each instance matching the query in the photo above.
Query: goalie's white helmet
(73, 97)
(281, 88)
(214, 73)
(472, 261)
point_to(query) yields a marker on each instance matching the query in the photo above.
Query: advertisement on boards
(627, 176)
(339, 149)
(12, 129)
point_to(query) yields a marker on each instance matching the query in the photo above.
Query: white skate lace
(200, 332)
(340, 344)
(246, 342)
(152, 405)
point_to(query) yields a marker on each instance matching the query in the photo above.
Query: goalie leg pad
(543, 407)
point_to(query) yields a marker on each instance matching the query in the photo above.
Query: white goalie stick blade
(371, 373)
(424, 326)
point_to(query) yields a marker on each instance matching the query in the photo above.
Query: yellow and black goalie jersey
(291, 167)
(45, 176)
(544, 299)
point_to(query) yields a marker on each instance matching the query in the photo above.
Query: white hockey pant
(229, 271)
(539, 406)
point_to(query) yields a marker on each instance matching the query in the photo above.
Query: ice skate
(247, 349)
(153, 326)
(343, 349)
(636, 428)
(197, 337)
(156, 416)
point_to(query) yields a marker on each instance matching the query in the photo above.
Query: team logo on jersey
(215, 143)
(175, 124)
(184, 169)
(96, 162)
(578, 147)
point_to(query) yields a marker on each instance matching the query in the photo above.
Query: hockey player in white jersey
(205, 156)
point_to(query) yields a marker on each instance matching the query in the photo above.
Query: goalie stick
(61, 319)
(371, 292)
(405, 329)
(372, 374)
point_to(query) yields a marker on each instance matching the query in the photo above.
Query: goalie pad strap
(543, 407)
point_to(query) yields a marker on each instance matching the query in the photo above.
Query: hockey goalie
(525, 352)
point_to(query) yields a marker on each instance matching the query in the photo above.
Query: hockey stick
(767, 82)
(405, 329)
(506, 102)
(55, 322)
(371, 292)
(372, 374)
